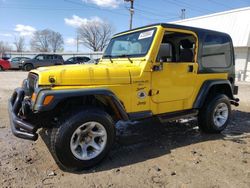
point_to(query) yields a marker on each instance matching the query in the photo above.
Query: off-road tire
(28, 67)
(60, 138)
(206, 114)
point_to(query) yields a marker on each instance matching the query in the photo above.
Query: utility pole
(131, 10)
(183, 14)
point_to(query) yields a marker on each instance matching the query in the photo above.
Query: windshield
(135, 44)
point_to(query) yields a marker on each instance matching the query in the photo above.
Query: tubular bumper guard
(19, 127)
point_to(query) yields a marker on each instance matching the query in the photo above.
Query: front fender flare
(60, 95)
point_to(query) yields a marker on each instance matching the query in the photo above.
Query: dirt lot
(148, 154)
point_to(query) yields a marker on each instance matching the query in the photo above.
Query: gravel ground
(147, 154)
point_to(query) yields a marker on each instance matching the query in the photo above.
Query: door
(50, 61)
(174, 72)
(39, 61)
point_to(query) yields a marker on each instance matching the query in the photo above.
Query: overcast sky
(23, 17)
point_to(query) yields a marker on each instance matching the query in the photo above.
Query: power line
(221, 4)
(192, 5)
(93, 7)
(146, 16)
(45, 8)
(245, 1)
(153, 9)
(186, 5)
(152, 13)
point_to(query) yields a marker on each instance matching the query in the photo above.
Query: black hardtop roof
(168, 25)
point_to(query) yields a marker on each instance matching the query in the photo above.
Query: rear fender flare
(206, 88)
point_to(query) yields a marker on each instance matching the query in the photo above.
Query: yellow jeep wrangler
(162, 70)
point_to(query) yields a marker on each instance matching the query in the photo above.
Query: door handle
(190, 68)
(153, 92)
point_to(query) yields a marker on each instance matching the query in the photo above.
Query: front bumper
(19, 127)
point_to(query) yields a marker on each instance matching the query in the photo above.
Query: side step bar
(177, 115)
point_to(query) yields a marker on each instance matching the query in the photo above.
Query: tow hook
(235, 101)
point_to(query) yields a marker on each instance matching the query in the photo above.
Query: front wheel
(215, 114)
(83, 140)
(28, 67)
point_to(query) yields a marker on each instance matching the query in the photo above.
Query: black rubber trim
(174, 26)
(204, 90)
(60, 95)
(170, 116)
(221, 53)
(140, 115)
(19, 127)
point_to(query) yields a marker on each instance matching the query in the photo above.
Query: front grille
(32, 79)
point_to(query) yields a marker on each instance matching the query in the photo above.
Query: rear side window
(48, 57)
(57, 57)
(216, 51)
(85, 59)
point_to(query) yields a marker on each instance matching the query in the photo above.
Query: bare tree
(46, 40)
(40, 41)
(95, 35)
(19, 43)
(4, 47)
(56, 41)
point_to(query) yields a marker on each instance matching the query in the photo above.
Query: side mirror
(158, 67)
(165, 59)
(161, 60)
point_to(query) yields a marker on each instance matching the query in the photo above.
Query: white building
(237, 24)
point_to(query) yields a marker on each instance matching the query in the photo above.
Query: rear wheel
(28, 67)
(83, 140)
(215, 114)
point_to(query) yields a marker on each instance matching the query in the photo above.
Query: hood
(87, 74)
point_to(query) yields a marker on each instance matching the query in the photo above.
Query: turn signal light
(48, 100)
(33, 97)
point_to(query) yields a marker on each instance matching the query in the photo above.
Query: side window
(165, 53)
(40, 57)
(57, 57)
(186, 49)
(15, 59)
(176, 47)
(85, 59)
(51, 57)
(216, 51)
(47, 57)
(71, 60)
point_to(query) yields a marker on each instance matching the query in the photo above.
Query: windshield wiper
(110, 57)
(127, 56)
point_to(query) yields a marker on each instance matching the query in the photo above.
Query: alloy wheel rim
(88, 140)
(220, 115)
